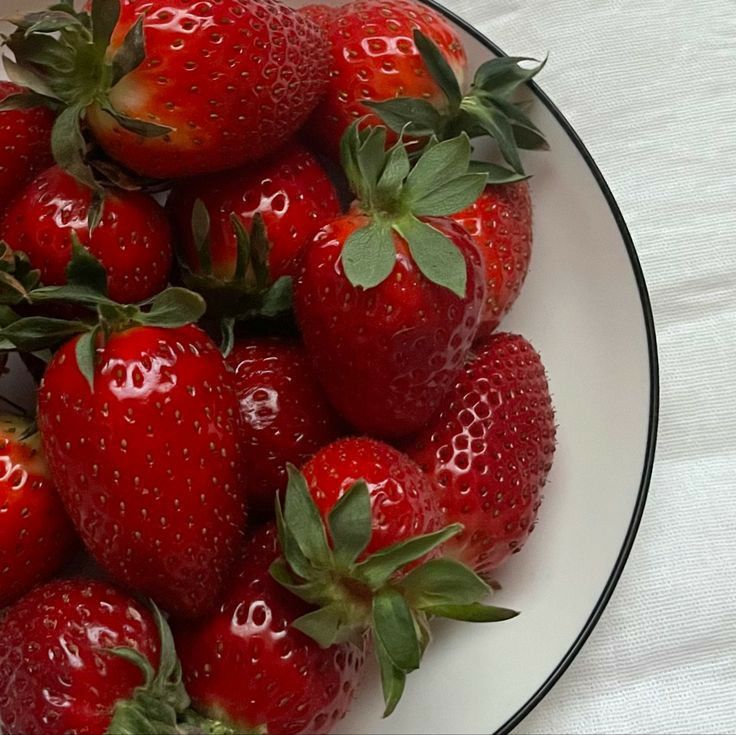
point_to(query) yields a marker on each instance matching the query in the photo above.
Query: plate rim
(653, 421)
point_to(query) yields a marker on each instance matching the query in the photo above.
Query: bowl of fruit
(273, 435)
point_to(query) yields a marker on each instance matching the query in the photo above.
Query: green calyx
(324, 564)
(396, 195)
(249, 292)
(156, 705)
(488, 109)
(62, 57)
(86, 287)
(17, 276)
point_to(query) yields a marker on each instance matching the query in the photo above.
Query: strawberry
(36, 536)
(500, 221)
(139, 421)
(132, 238)
(374, 57)
(25, 140)
(489, 451)
(248, 667)
(389, 297)
(403, 503)
(285, 416)
(78, 656)
(171, 90)
(290, 190)
(349, 552)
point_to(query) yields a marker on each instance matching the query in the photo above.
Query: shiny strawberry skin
(500, 222)
(234, 79)
(55, 676)
(290, 190)
(374, 57)
(247, 666)
(133, 239)
(385, 355)
(36, 536)
(25, 143)
(490, 449)
(148, 466)
(402, 498)
(285, 416)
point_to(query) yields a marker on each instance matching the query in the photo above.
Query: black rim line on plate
(648, 316)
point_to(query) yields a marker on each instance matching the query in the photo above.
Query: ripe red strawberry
(59, 672)
(25, 141)
(248, 667)
(177, 89)
(500, 221)
(389, 297)
(349, 550)
(132, 240)
(36, 536)
(290, 190)
(147, 461)
(374, 57)
(489, 451)
(403, 503)
(285, 416)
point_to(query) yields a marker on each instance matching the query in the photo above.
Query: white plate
(585, 307)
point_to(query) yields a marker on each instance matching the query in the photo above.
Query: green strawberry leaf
(439, 164)
(393, 680)
(395, 171)
(25, 77)
(80, 295)
(311, 592)
(436, 256)
(85, 270)
(438, 67)
(443, 582)
(450, 197)
(371, 156)
(24, 101)
(496, 174)
(503, 75)
(473, 613)
(395, 630)
(322, 625)
(378, 568)
(350, 524)
(496, 124)
(131, 52)
(289, 547)
(105, 15)
(85, 352)
(529, 140)
(415, 117)
(144, 128)
(278, 299)
(174, 307)
(303, 520)
(227, 335)
(369, 256)
(201, 235)
(69, 147)
(242, 240)
(34, 333)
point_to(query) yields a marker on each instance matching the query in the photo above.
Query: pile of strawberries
(276, 428)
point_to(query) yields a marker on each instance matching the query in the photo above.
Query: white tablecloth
(650, 88)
